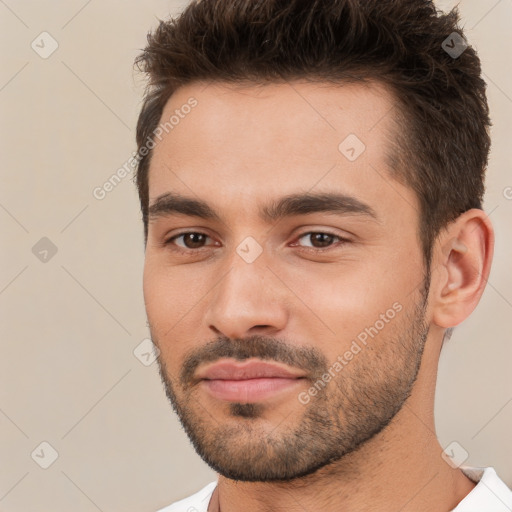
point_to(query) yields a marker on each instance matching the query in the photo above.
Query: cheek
(154, 288)
(174, 300)
(170, 291)
(338, 304)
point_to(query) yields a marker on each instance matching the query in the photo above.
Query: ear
(460, 267)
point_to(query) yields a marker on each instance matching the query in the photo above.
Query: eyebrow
(172, 203)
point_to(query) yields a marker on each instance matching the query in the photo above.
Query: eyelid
(170, 240)
(342, 240)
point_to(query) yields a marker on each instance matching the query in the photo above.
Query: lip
(229, 370)
(247, 382)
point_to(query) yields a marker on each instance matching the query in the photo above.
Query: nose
(247, 300)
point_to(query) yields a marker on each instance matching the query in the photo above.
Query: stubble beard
(238, 441)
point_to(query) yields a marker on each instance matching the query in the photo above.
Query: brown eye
(320, 240)
(190, 240)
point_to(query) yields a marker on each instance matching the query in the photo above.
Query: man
(311, 183)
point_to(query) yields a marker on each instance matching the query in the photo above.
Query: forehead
(255, 141)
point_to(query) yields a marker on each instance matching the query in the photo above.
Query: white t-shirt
(489, 495)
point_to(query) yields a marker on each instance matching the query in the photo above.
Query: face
(277, 235)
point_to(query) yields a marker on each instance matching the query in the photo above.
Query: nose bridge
(247, 295)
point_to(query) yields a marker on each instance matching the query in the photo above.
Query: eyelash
(181, 250)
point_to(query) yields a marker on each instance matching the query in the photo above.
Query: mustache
(309, 359)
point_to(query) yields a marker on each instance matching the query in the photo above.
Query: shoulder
(490, 494)
(198, 502)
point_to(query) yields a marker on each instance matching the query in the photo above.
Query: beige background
(69, 325)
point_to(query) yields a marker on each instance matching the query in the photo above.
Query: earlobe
(462, 265)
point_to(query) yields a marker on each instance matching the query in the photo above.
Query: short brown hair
(442, 147)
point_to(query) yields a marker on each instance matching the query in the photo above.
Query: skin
(239, 148)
